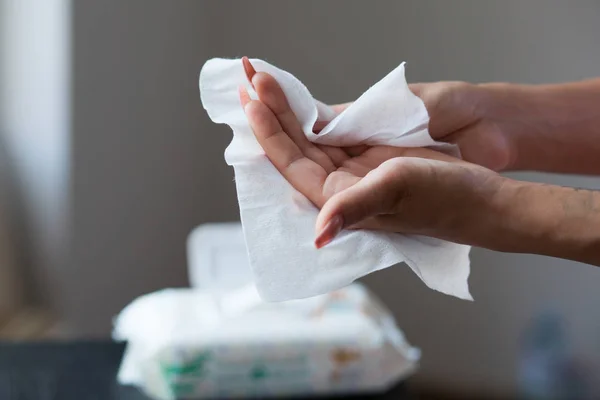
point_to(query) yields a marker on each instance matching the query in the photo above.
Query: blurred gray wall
(148, 164)
(35, 61)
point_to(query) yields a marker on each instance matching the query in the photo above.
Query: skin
(420, 191)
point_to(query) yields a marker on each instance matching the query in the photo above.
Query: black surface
(76, 370)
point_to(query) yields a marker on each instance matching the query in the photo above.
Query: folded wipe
(279, 222)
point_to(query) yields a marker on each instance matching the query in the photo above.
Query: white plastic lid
(217, 257)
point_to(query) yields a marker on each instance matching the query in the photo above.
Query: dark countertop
(78, 371)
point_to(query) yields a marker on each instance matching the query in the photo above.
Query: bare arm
(552, 128)
(502, 126)
(544, 219)
(419, 191)
(468, 205)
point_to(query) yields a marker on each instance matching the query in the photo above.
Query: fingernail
(244, 96)
(249, 69)
(329, 231)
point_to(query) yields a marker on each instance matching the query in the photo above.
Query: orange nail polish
(244, 96)
(249, 69)
(329, 231)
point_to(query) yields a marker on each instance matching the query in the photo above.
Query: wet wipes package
(343, 342)
(219, 339)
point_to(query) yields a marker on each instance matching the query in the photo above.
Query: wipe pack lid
(218, 263)
(218, 258)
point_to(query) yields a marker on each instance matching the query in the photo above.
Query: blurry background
(107, 160)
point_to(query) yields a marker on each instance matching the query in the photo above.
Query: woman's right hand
(501, 126)
(458, 114)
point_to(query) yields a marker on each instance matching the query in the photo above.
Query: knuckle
(395, 166)
(396, 178)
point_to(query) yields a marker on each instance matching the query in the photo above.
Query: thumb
(337, 109)
(377, 193)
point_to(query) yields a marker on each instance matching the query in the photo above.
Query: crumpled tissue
(279, 223)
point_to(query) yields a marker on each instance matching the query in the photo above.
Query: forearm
(548, 220)
(553, 128)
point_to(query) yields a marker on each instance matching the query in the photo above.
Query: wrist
(547, 127)
(517, 116)
(493, 220)
(549, 220)
(505, 223)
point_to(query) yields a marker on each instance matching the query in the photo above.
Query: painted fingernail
(249, 69)
(329, 231)
(244, 96)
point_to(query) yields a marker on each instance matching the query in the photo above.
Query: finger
(358, 166)
(244, 96)
(338, 181)
(337, 108)
(377, 193)
(354, 151)
(386, 223)
(336, 154)
(417, 88)
(248, 69)
(271, 94)
(302, 173)
(375, 156)
(319, 125)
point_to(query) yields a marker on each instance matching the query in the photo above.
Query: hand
(458, 114)
(415, 190)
